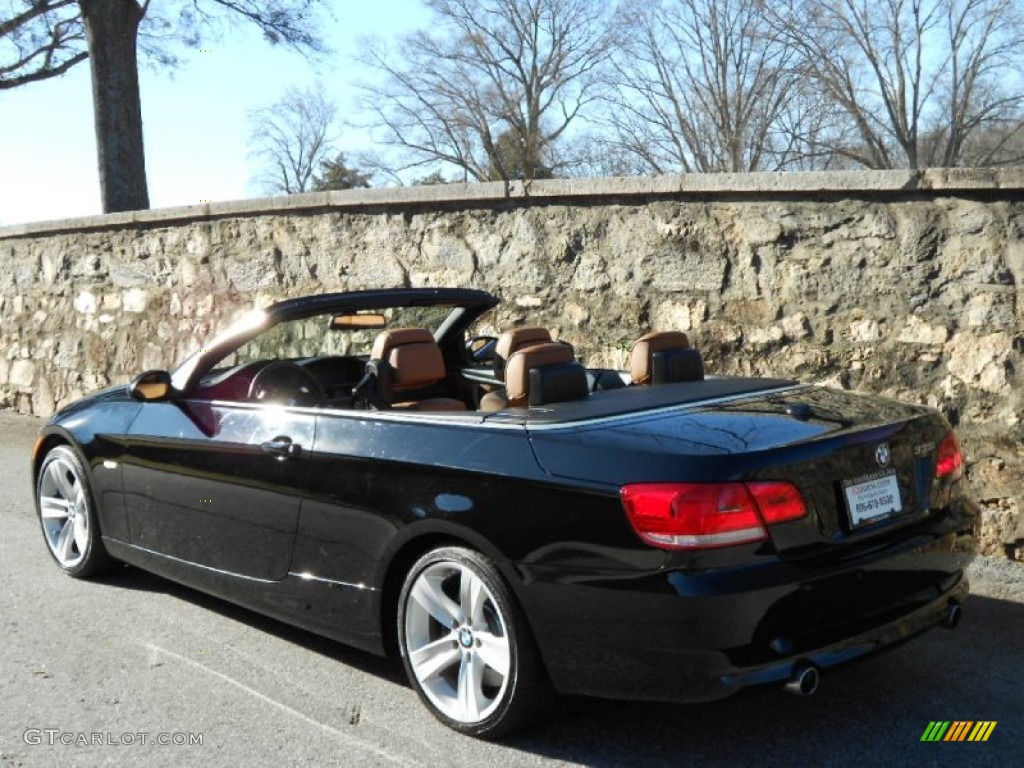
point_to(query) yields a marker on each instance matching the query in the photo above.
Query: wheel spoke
(52, 508)
(64, 484)
(435, 602)
(81, 532)
(53, 478)
(80, 502)
(494, 652)
(471, 697)
(433, 658)
(65, 541)
(472, 597)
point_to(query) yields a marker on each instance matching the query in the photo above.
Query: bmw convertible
(508, 520)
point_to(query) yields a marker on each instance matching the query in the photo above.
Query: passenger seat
(664, 357)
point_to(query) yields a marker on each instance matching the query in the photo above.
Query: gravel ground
(998, 578)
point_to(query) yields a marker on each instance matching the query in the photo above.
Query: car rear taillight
(707, 515)
(950, 460)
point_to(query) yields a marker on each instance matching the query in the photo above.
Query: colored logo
(958, 730)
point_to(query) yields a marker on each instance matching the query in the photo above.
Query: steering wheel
(287, 383)
(481, 348)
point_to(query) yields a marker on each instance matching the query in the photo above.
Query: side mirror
(151, 385)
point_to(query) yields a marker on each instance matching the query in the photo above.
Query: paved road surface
(134, 654)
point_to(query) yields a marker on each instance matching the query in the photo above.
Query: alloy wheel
(457, 642)
(64, 511)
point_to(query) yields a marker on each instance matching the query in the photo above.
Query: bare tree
(39, 40)
(596, 153)
(914, 78)
(703, 85)
(983, 122)
(291, 138)
(489, 75)
(45, 38)
(998, 142)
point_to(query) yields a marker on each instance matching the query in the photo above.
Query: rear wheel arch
(398, 568)
(411, 550)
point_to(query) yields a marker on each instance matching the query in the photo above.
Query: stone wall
(909, 284)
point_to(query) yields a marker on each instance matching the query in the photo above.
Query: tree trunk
(111, 30)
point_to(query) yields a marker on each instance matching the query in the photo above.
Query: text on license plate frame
(872, 498)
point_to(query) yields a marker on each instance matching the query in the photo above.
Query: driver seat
(416, 366)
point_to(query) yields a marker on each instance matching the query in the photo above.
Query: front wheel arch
(44, 444)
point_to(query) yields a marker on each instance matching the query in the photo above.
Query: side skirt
(340, 611)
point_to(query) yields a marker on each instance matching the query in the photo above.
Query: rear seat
(663, 357)
(538, 375)
(512, 341)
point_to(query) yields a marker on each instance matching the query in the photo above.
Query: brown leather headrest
(517, 374)
(397, 336)
(513, 340)
(413, 356)
(646, 346)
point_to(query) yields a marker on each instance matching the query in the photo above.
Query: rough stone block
(904, 285)
(22, 375)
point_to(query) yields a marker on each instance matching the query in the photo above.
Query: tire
(467, 647)
(67, 516)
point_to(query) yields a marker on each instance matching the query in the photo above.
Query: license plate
(872, 498)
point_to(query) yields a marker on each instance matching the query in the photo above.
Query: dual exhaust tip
(806, 678)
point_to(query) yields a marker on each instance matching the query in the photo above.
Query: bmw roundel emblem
(883, 455)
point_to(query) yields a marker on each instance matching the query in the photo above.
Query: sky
(194, 118)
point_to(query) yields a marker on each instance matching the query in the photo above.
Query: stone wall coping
(951, 180)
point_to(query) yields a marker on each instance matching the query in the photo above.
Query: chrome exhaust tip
(953, 615)
(804, 682)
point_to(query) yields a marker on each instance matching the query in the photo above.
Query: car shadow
(132, 578)
(872, 711)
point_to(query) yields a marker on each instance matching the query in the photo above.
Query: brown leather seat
(512, 341)
(537, 375)
(416, 363)
(662, 357)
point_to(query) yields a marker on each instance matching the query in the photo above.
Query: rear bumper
(680, 637)
(878, 639)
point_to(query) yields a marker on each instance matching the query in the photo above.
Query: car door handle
(282, 447)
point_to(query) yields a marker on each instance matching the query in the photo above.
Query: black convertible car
(508, 520)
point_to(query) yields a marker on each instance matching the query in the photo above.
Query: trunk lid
(864, 464)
